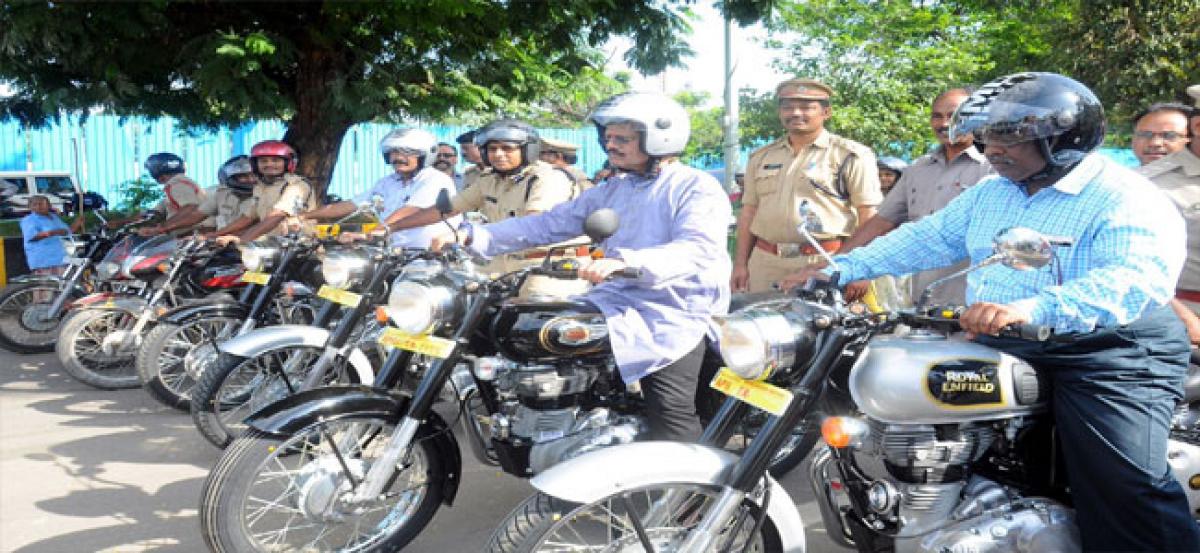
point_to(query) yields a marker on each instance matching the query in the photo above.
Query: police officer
(837, 177)
(1117, 373)
(470, 152)
(562, 155)
(1178, 175)
(280, 195)
(414, 184)
(232, 198)
(180, 193)
(516, 183)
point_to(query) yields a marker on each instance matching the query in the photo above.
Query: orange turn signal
(381, 315)
(843, 432)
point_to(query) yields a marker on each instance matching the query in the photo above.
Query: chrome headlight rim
(343, 269)
(258, 257)
(419, 307)
(756, 342)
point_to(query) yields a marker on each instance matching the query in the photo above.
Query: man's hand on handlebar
(990, 319)
(802, 276)
(598, 270)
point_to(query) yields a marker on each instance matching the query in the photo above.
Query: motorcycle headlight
(107, 270)
(417, 308)
(343, 269)
(258, 257)
(755, 342)
(72, 246)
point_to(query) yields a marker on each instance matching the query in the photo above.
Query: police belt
(796, 249)
(579, 251)
(1188, 295)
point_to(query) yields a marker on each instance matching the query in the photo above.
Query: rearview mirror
(443, 202)
(601, 224)
(1023, 249)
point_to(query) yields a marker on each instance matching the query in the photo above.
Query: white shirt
(420, 191)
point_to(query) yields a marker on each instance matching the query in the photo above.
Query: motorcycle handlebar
(1027, 331)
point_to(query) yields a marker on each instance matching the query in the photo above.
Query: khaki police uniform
(1179, 176)
(579, 180)
(470, 176)
(779, 178)
(538, 187)
(292, 196)
(224, 206)
(178, 193)
(927, 186)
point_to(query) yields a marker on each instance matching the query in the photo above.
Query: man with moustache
(1178, 175)
(447, 162)
(1117, 370)
(659, 316)
(925, 187)
(836, 176)
(1159, 131)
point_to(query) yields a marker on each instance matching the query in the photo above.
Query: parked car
(60, 187)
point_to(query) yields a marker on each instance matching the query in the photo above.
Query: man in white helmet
(414, 185)
(670, 247)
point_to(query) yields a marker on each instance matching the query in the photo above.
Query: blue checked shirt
(1129, 246)
(673, 228)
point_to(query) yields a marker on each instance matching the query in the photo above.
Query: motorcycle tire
(160, 360)
(218, 407)
(79, 349)
(260, 471)
(539, 518)
(20, 330)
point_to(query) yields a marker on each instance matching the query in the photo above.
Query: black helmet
(163, 163)
(237, 165)
(514, 131)
(1064, 117)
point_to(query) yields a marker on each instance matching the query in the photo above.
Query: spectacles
(447, 155)
(1168, 136)
(619, 139)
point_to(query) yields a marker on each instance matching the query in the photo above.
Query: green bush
(139, 194)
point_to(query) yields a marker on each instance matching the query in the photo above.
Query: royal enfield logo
(965, 382)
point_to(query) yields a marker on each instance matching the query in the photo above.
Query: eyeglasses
(1168, 136)
(447, 155)
(619, 139)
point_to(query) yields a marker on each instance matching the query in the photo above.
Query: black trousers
(1114, 391)
(670, 398)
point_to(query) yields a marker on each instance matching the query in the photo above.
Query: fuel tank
(925, 378)
(533, 330)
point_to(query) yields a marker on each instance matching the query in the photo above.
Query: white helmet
(413, 140)
(664, 123)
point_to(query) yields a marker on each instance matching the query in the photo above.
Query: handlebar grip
(628, 272)
(1027, 331)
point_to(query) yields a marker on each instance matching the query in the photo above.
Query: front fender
(261, 340)
(289, 415)
(602, 473)
(187, 313)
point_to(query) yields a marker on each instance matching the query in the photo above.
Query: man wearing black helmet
(180, 193)
(232, 199)
(1115, 381)
(516, 183)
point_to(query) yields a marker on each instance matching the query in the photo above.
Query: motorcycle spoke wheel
(621, 523)
(80, 349)
(172, 372)
(264, 380)
(297, 495)
(23, 325)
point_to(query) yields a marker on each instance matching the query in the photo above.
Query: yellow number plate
(771, 399)
(255, 278)
(328, 231)
(425, 345)
(346, 298)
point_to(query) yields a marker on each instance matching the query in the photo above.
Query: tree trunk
(317, 128)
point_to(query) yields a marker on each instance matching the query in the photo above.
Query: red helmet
(274, 148)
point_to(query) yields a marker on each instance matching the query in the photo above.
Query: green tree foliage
(887, 59)
(319, 66)
(139, 194)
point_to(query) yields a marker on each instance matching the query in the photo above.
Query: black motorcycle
(284, 295)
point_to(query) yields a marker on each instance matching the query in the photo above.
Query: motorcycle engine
(552, 412)
(937, 505)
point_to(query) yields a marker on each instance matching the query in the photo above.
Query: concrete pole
(731, 110)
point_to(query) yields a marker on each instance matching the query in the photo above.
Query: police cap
(804, 89)
(551, 145)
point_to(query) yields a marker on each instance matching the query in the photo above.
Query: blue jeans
(1114, 390)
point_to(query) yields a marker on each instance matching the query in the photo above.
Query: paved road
(86, 470)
